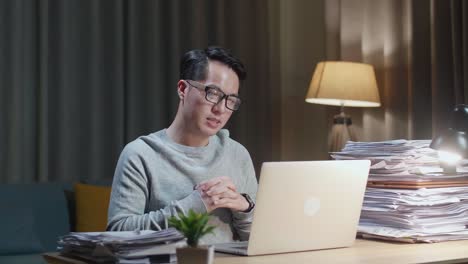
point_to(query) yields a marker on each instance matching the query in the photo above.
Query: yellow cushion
(91, 207)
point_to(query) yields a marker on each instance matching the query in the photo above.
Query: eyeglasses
(215, 95)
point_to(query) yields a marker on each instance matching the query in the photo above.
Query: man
(193, 164)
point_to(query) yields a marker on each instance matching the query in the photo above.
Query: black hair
(194, 63)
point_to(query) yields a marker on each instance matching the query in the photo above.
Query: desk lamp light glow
(452, 143)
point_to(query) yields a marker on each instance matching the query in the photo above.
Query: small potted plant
(193, 226)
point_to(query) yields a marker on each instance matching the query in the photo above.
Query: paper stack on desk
(408, 198)
(123, 247)
(408, 164)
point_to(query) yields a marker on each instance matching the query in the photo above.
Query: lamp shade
(344, 84)
(455, 138)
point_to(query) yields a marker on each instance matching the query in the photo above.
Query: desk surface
(363, 251)
(366, 251)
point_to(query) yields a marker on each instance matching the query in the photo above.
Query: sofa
(35, 215)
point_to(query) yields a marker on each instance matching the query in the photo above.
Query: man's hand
(220, 192)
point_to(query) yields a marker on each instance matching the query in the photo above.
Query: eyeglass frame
(224, 95)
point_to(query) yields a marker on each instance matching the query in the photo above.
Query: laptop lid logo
(311, 206)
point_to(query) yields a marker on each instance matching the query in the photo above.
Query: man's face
(201, 116)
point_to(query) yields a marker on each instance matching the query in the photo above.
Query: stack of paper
(123, 247)
(408, 197)
(403, 164)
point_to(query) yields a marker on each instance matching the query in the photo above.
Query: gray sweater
(154, 180)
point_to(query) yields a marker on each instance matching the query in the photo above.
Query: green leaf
(193, 225)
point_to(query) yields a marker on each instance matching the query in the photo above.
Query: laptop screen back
(307, 205)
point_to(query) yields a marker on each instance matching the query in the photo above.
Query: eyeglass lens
(215, 95)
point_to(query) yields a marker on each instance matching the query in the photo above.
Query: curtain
(80, 79)
(419, 50)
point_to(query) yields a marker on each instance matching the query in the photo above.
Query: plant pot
(198, 255)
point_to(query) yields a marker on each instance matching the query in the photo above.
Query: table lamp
(452, 143)
(343, 84)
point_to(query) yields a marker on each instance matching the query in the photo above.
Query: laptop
(305, 205)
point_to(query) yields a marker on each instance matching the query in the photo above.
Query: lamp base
(341, 132)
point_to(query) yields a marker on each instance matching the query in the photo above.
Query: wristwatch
(250, 201)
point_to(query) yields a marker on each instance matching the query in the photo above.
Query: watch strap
(250, 201)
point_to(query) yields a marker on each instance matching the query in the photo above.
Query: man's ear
(182, 88)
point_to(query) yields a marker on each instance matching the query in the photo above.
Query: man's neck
(183, 136)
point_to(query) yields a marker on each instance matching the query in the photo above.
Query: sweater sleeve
(242, 221)
(130, 194)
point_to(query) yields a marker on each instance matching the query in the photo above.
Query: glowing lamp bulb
(448, 157)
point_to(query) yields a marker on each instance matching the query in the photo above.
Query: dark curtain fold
(19, 91)
(80, 79)
(419, 49)
(420, 96)
(449, 59)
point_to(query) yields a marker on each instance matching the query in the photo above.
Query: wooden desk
(367, 251)
(363, 251)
